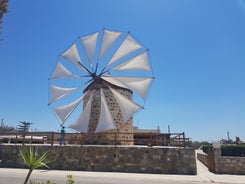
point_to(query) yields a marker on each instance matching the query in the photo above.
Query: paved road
(17, 176)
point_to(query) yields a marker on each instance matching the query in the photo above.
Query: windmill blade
(127, 107)
(106, 121)
(128, 46)
(60, 72)
(125, 55)
(109, 37)
(139, 62)
(82, 123)
(64, 112)
(57, 93)
(72, 56)
(140, 85)
(89, 44)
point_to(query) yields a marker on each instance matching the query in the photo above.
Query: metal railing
(53, 138)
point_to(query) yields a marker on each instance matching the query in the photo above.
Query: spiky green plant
(70, 179)
(32, 160)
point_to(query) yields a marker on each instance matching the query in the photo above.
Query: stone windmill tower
(123, 134)
(117, 66)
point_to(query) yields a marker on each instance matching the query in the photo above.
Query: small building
(154, 137)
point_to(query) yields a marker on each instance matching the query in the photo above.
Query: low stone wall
(222, 164)
(228, 164)
(136, 159)
(231, 165)
(203, 157)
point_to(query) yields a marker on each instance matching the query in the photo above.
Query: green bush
(205, 148)
(236, 150)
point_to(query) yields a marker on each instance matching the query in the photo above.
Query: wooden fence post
(52, 139)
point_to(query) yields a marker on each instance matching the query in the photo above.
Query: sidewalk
(14, 176)
(203, 176)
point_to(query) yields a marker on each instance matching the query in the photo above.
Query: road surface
(17, 176)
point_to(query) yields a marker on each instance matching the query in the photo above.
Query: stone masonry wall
(203, 157)
(125, 129)
(228, 164)
(223, 164)
(135, 159)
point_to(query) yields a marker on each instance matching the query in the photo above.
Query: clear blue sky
(197, 51)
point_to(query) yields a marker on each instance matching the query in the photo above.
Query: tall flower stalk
(32, 160)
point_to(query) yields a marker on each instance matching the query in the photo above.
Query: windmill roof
(101, 83)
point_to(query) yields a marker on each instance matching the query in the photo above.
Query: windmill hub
(97, 79)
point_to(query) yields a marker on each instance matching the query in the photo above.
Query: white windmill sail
(126, 54)
(139, 62)
(109, 37)
(140, 85)
(127, 107)
(64, 112)
(60, 72)
(128, 46)
(89, 44)
(82, 123)
(106, 121)
(57, 93)
(72, 55)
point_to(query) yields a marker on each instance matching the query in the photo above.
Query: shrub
(205, 148)
(236, 150)
(32, 159)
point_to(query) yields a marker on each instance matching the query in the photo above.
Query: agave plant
(33, 160)
(70, 179)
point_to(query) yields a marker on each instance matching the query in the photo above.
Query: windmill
(108, 67)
